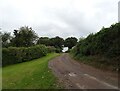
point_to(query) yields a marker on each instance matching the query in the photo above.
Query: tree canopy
(105, 42)
(24, 37)
(70, 42)
(5, 39)
(44, 40)
(57, 42)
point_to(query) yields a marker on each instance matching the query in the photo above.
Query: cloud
(58, 17)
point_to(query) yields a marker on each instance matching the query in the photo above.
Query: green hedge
(51, 49)
(106, 42)
(13, 55)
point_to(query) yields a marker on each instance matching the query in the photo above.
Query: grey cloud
(58, 17)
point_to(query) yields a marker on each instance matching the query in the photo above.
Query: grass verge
(99, 62)
(34, 74)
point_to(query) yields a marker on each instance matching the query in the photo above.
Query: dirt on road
(76, 75)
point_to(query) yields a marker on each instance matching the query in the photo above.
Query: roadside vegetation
(101, 49)
(25, 56)
(34, 74)
(26, 37)
(13, 55)
(25, 59)
(25, 45)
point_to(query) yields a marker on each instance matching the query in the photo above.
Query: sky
(64, 18)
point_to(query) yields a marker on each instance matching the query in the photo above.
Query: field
(34, 74)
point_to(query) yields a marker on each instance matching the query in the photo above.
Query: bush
(106, 43)
(13, 55)
(58, 50)
(51, 49)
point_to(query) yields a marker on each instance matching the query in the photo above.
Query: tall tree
(57, 42)
(44, 40)
(5, 39)
(70, 42)
(24, 37)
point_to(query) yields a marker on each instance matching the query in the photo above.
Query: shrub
(58, 50)
(13, 55)
(106, 43)
(51, 49)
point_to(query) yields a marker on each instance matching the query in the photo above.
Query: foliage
(24, 37)
(105, 43)
(51, 49)
(13, 55)
(70, 42)
(44, 40)
(57, 42)
(6, 37)
(34, 74)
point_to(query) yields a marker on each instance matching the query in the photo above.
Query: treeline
(102, 48)
(25, 45)
(26, 37)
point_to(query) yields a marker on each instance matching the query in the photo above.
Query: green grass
(0, 78)
(34, 74)
(96, 61)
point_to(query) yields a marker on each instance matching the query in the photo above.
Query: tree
(24, 37)
(70, 42)
(5, 39)
(57, 42)
(106, 42)
(44, 40)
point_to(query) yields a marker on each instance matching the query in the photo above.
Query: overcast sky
(62, 18)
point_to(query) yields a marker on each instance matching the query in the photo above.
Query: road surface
(76, 75)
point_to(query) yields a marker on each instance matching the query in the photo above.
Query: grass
(34, 74)
(0, 78)
(100, 62)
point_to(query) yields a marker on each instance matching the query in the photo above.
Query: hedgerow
(105, 43)
(51, 49)
(13, 55)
